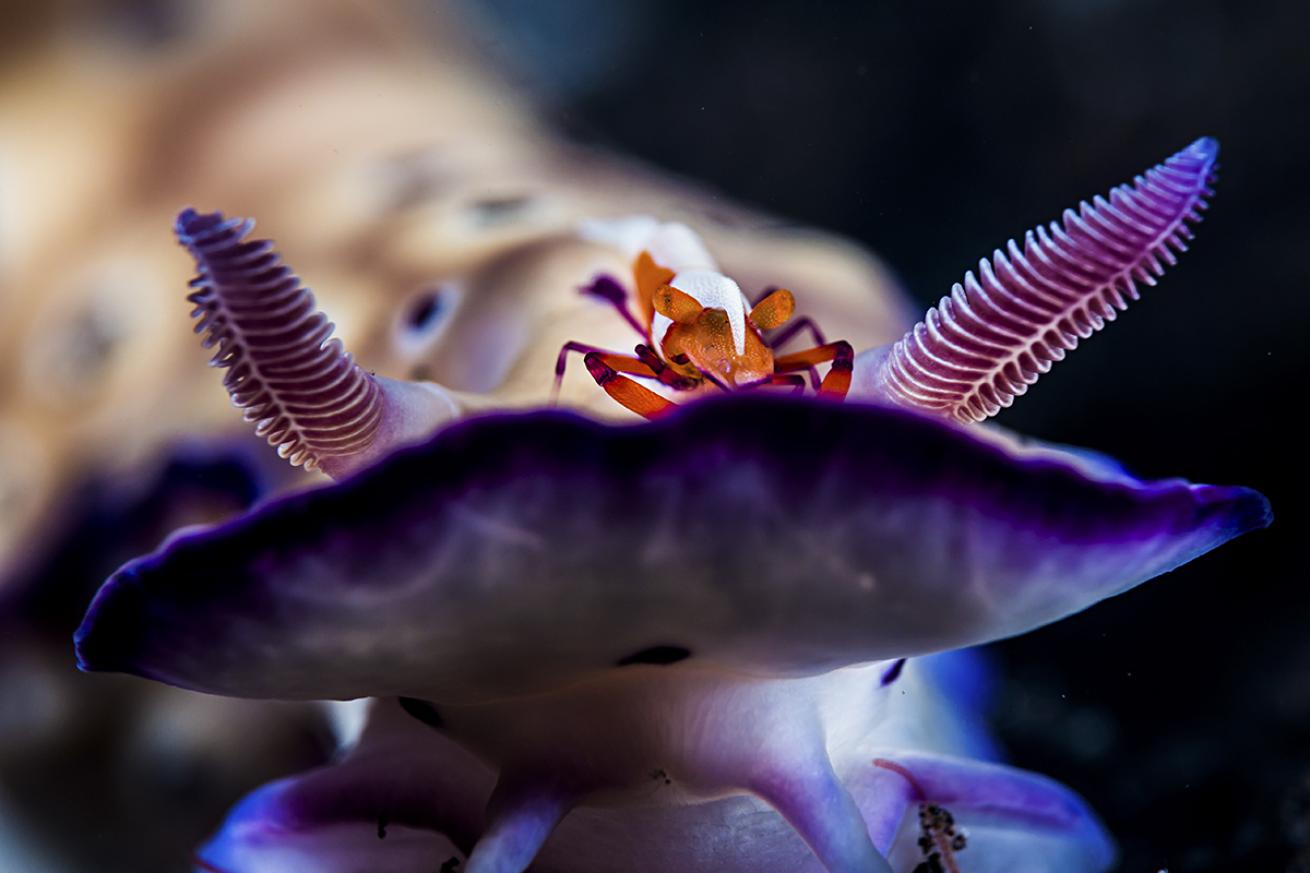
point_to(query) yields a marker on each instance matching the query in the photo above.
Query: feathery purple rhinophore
(305, 392)
(983, 345)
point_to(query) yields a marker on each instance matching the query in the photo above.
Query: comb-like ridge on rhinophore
(305, 392)
(993, 336)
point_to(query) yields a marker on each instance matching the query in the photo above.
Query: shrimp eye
(774, 310)
(677, 305)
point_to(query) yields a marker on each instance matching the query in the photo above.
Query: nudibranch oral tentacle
(306, 394)
(809, 795)
(424, 783)
(997, 332)
(521, 815)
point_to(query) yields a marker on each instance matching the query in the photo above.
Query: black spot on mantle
(892, 673)
(423, 711)
(659, 655)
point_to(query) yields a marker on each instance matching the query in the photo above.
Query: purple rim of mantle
(445, 570)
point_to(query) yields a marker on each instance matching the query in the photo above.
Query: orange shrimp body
(699, 321)
(699, 328)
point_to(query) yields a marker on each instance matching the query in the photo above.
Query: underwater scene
(485, 436)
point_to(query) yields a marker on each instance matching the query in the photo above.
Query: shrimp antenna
(993, 336)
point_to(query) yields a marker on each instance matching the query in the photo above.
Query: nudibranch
(678, 644)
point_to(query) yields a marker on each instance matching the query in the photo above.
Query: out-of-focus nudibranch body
(694, 628)
(305, 393)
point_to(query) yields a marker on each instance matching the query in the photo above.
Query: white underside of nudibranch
(656, 735)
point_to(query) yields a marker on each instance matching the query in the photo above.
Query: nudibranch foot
(423, 783)
(675, 734)
(304, 392)
(816, 804)
(520, 817)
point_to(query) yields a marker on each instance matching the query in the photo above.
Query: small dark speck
(423, 711)
(892, 673)
(658, 655)
(450, 866)
(382, 827)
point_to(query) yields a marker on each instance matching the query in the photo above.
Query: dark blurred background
(931, 132)
(935, 131)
